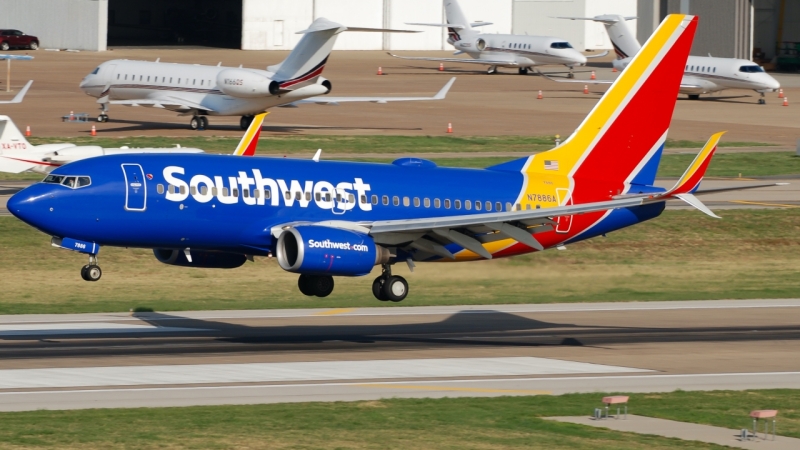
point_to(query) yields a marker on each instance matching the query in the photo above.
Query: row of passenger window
(163, 79)
(701, 69)
(350, 198)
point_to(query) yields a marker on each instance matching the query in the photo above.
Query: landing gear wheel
(245, 122)
(203, 122)
(694, 96)
(322, 285)
(762, 100)
(304, 283)
(395, 288)
(91, 272)
(377, 289)
(195, 123)
(492, 70)
(102, 118)
(523, 70)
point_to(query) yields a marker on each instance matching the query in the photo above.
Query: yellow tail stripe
(258, 120)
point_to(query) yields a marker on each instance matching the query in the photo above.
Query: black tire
(194, 123)
(694, 96)
(304, 284)
(34, 45)
(395, 288)
(245, 122)
(4, 46)
(322, 285)
(204, 122)
(105, 118)
(377, 289)
(523, 70)
(83, 272)
(93, 273)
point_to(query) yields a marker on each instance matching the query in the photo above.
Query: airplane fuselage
(518, 50)
(234, 204)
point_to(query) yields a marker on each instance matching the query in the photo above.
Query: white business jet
(18, 155)
(500, 50)
(200, 91)
(703, 74)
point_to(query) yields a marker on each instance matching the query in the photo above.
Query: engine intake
(201, 259)
(317, 250)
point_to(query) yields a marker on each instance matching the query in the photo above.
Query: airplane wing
(442, 25)
(324, 99)
(170, 103)
(599, 55)
(485, 62)
(572, 80)
(20, 95)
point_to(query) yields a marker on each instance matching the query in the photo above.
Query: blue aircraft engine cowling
(320, 250)
(201, 259)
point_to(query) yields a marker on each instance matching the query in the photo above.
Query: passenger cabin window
(467, 205)
(160, 188)
(385, 200)
(447, 203)
(457, 204)
(374, 199)
(118, 76)
(171, 189)
(416, 202)
(498, 206)
(478, 205)
(427, 203)
(406, 201)
(396, 200)
(437, 203)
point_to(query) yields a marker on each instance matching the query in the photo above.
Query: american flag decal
(551, 165)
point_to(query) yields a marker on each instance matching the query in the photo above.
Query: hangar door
(212, 23)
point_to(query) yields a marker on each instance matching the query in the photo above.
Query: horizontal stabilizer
(323, 24)
(442, 25)
(605, 18)
(694, 201)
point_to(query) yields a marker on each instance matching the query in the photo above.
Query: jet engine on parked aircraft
(244, 83)
(318, 250)
(477, 45)
(206, 260)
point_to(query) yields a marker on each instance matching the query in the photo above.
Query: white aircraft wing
(572, 80)
(324, 99)
(166, 103)
(471, 231)
(442, 25)
(20, 95)
(599, 55)
(485, 62)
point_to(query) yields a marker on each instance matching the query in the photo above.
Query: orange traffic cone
(785, 101)
(613, 69)
(585, 88)
(28, 131)
(593, 77)
(71, 116)
(449, 127)
(441, 67)
(539, 97)
(380, 70)
(780, 93)
(94, 131)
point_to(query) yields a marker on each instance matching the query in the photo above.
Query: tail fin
(10, 136)
(307, 60)
(621, 140)
(455, 16)
(623, 40)
(247, 146)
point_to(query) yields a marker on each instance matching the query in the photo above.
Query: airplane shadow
(136, 125)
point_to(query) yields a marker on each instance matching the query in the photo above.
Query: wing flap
(485, 62)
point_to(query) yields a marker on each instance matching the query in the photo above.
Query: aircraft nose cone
(580, 58)
(27, 206)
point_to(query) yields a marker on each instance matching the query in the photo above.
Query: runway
(238, 357)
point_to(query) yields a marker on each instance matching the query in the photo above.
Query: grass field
(747, 254)
(451, 423)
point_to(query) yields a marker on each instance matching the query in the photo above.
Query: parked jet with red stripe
(327, 218)
(201, 91)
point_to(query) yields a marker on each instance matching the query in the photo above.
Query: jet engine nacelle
(478, 45)
(69, 154)
(201, 259)
(318, 250)
(246, 84)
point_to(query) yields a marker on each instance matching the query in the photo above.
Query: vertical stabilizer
(307, 60)
(622, 38)
(454, 14)
(11, 139)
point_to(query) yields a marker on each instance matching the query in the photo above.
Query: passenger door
(135, 187)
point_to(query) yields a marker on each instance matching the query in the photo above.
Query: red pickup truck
(17, 39)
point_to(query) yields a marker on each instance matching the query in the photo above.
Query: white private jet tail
(622, 38)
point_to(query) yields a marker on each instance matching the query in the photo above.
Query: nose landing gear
(91, 271)
(762, 100)
(388, 287)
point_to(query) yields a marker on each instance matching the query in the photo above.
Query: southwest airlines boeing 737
(325, 218)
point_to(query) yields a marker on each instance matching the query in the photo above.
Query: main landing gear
(315, 285)
(492, 70)
(245, 122)
(388, 287)
(523, 70)
(198, 123)
(91, 271)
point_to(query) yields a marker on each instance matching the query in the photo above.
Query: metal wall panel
(535, 17)
(420, 11)
(725, 28)
(354, 13)
(66, 24)
(273, 24)
(595, 35)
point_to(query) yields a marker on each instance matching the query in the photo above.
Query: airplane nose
(580, 58)
(28, 206)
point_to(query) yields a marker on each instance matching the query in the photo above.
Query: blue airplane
(325, 218)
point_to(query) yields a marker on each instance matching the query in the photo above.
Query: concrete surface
(686, 431)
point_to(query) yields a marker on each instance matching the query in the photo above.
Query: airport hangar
(730, 28)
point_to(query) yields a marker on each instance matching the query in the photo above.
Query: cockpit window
(68, 181)
(94, 72)
(560, 45)
(751, 69)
